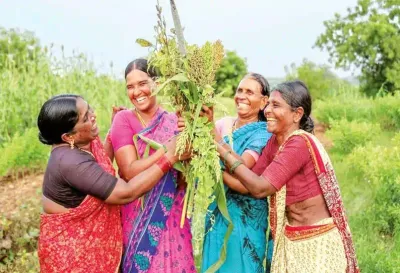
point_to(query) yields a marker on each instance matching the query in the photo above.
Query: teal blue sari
(246, 246)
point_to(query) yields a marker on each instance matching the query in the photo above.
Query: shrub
(24, 152)
(348, 135)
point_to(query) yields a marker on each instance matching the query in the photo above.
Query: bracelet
(221, 141)
(164, 164)
(236, 164)
(225, 155)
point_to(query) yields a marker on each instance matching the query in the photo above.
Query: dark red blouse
(292, 167)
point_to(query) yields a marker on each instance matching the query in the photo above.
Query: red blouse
(292, 167)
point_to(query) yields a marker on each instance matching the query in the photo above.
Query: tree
(18, 49)
(368, 37)
(320, 80)
(232, 70)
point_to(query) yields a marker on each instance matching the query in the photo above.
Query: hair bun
(307, 125)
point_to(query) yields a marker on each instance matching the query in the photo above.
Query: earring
(71, 144)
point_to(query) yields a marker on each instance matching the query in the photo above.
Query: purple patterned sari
(153, 240)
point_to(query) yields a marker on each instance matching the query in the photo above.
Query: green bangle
(236, 164)
(165, 149)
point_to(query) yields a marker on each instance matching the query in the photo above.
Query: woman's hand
(171, 151)
(181, 124)
(115, 110)
(207, 112)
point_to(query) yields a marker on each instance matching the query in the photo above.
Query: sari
(326, 246)
(86, 239)
(247, 244)
(153, 240)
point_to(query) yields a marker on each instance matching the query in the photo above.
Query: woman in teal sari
(246, 135)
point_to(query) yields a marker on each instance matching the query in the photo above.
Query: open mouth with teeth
(271, 119)
(141, 99)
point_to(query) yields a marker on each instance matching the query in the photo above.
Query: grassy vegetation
(365, 154)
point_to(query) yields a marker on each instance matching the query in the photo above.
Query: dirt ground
(13, 193)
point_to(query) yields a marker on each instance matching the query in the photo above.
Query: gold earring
(71, 144)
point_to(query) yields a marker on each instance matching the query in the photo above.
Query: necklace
(144, 125)
(140, 118)
(86, 152)
(234, 127)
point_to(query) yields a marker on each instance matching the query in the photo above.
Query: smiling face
(281, 117)
(86, 128)
(139, 87)
(248, 98)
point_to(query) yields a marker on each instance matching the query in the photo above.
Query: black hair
(142, 65)
(265, 89)
(296, 94)
(57, 116)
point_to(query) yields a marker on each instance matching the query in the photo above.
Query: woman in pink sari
(153, 240)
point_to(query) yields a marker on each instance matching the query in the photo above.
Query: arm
(83, 173)
(108, 147)
(130, 165)
(284, 166)
(143, 182)
(256, 185)
(122, 132)
(232, 182)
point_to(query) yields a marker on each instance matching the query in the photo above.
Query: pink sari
(153, 240)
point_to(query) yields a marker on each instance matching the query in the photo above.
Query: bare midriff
(307, 212)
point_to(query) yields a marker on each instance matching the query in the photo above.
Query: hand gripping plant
(188, 73)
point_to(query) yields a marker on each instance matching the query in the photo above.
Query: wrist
(164, 164)
(172, 158)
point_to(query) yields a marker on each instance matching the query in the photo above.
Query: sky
(269, 34)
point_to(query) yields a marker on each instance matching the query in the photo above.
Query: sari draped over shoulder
(247, 244)
(326, 246)
(85, 239)
(153, 240)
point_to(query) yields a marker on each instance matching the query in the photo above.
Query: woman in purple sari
(153, 240)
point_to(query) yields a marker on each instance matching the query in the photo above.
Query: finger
(205, 108)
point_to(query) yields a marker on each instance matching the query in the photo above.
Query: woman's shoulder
(224, 125)
(124, 115)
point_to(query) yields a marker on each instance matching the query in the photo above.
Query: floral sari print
(153, 240)
(86, 239)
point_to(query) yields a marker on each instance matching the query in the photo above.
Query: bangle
(225, 156)
(221, 141)
(236, 164)
(164, 164)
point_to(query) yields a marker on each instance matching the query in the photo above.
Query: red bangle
(164, 164)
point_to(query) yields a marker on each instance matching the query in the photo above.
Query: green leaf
(177, 78)
(143, 43)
